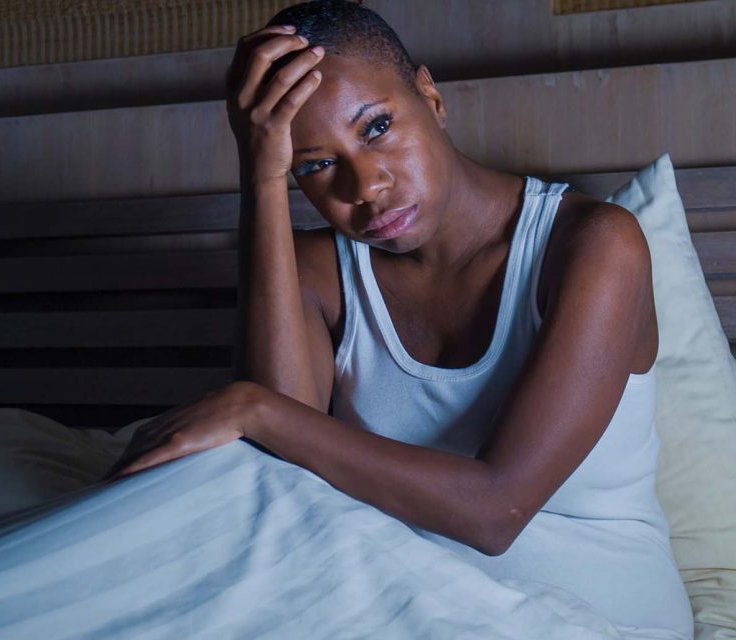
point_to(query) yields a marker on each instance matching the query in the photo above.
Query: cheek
(332, 210)
(418, 162)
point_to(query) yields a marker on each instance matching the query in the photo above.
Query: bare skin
(441, 281)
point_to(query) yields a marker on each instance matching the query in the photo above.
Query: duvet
(236, 543)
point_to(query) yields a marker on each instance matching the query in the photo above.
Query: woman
(486, 340)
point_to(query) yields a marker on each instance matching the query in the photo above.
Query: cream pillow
(696, 405)
(42, 459)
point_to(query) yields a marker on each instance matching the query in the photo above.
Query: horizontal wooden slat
(197, 241)
(218, 298)
(219, 212)
(196, 270)
(185, 270)
(216, 212)
(618, 119)
(705, 187)
(699, 188)
(721, 286)
(156, 328)
(122, 386)
(726, 307)
(717, 251)
(712, 219)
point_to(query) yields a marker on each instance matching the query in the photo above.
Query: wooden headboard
(116, 309)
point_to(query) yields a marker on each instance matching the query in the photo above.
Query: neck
(474, 216)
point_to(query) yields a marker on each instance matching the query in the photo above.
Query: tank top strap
(365, 307)
(542, 227)
(348, 267)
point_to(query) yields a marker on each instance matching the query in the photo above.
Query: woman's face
(364, 144)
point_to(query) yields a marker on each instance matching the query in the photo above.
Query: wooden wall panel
(166, 78)
(580, 6)
(598, 120)
(118, 386)
(483, 38)
(474, 39)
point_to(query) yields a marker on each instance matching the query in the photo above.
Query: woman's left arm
(557, 410)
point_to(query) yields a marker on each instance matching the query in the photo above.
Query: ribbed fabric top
(607, 503)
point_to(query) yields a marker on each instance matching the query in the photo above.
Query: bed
(118, 307)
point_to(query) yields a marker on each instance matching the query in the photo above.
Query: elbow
(496, 546)
(496, 538)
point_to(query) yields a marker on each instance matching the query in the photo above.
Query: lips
(386, 218)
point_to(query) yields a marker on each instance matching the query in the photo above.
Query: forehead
(347, 83)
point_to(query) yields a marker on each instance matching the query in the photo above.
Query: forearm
(449, 494)
(271, 337)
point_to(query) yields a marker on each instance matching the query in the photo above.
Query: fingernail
(303, 39)
(318, 51)
(289, 27)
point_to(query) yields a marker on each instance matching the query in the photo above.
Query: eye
(312, 166)
(380, 123)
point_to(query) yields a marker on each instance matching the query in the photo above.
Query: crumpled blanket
(236, 543)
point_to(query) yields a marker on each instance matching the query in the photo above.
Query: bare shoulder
(586, 224)
(606, 241)
(318, 269)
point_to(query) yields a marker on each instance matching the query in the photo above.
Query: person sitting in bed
(468, 350)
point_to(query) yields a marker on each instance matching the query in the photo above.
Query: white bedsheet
(235, 543)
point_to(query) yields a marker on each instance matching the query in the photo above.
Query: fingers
(261, 58)
(293, 101)
(286, 77)
(146, 438)
(170, 451)
(237, 66)
(176, 445)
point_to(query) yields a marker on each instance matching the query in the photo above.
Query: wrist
(253, 183)
(254, 399)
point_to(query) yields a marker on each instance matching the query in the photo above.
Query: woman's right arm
(281, 338)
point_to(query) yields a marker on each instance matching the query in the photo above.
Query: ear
(428, 90)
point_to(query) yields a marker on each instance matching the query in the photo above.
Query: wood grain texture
(119, 272)
(466, 39)
(598, 120)
(701, 188)
(94, 329)
(582, 6)
(41, 32)
(717, 251)
(132, 216)
(120, 386)
(480, 39)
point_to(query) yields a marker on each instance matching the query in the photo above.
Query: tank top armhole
(542, 252)
(345, 267)
(536, 316)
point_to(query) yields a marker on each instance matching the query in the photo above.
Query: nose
(368, 177)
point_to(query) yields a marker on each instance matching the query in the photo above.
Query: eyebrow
(353, 120)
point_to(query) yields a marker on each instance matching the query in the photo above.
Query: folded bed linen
(233, 542)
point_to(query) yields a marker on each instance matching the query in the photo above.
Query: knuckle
(282, 77)
(178, 437)
(256, 116)
(260, 55)
(271, 126)
(291, 101)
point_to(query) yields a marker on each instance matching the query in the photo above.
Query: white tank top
(602, 535)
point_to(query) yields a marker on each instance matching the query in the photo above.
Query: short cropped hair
(346, 28)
